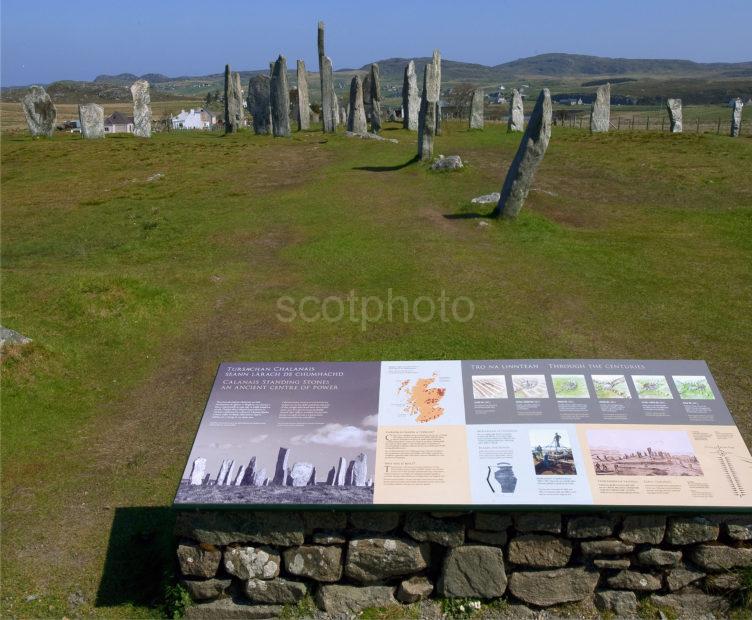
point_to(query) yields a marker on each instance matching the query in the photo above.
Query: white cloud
(259, 438)
(339, 435)
(370, 420)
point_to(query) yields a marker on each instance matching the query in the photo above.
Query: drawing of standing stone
(328, 98)
(304, 110)
(600, 114)
(229, 478)
(356, 119)
(259, 478)
(410, 98)
(349, 480)
(736, 117)
(360, 470)
(516, 113)
(529, 156)
(330, 476)
(300, 474)
(437, 66)
(198, 471)
(312, 479)
(233, 105)
(249, 472)
(280, 99)
(476, 109)
(141, 109)
(239, 476)
(674, 107)
(39, 111)
(91, 117)
(223, 471)
(375, 97)
(341, 472)
(427, 116)
(258, 104)
(280, 472)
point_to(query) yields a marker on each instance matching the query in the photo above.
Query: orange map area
(423, 400)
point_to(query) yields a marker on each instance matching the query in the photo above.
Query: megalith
(259, 105)
(437, 68)
(303, 116)
(39, 111)
(280, 471)
(375, 97)
(329, 106)
(410, 98)
(91, 117)
(198, 471)
(600, 113)
(279, 96)
(141, 109)
(356, 118)
(233, 104)
(427, 116)
(476, 109)
(516, 113)
(736, 117)
(674, 107)
(529, 156)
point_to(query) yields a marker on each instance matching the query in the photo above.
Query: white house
(195, 119)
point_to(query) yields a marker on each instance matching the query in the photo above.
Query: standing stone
(476, 109)
(238, 90)
(91, 117)
(260, 478)
(301, 474)
(437, 66)
(228, 476)
(280, 99)
(239, 476)
(410, 98)
(304, 111)
(328, 97)
(232, 114)
(516, 113)
(600, 114)
(40, 112)
(330, 476)
(674, 107)
(341, 472)
(375, 86)
(529, 156)
(349, 479)
(258, 104)
(249, 473)
(198, 471)
(223, 471)
(356, 118)
(736, 117)
(280, 472)
(427, 116)
(367, 101)
(360, 470)
(141, 109)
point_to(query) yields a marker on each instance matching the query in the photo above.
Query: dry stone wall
(253, 564)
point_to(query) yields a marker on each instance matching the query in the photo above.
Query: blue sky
(45, 41)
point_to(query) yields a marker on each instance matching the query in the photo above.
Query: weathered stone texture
(619, 602)
(539, 550)
(477, 100)
(279, 591)
(546, 588)
(279, 99)
(516, 121)
(736, 117)
(356, 117)
(252, 562)
(141, 109)
(375, 98)
(375, 521)
(198, 560)
(717, 558)
(590, 526)
(639, 529)
(39, 111)
(600, 113)
(91, 117)
(689, 530)
(536, 522)
(206, 589)
(410, 98)
(659, 557)
(259, 107)
(450, 162)
(303, 117)
(425, 528)
(374, 559)
(315, 562)
(634, 580)
(341, 600)
(674, 107)
(473, 571)
(414, 589)
(232, 609)
(605, 547)
(228, 527)
(677, 578)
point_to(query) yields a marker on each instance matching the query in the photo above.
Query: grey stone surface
(492, 521)
(436, 61)
(635, 580)
(612, 563)
(279, 591)
(424, 528)
(301, 473)
(328, 538)
(198, 560)
(717, 558)
(736, 117)
(279, 98)
(488, 538)
(724, 581)
(198, 471)
(605, 547)
(529, 156)
(489, 199)
(689, 530)
(618, 602)
(320, 563)
(516, 121)
(375, 98)
(375, 521)
(551, 587)
(370, 136)
(252, 562)
(374, 559)
(360, 470)
(590, 526)
(549, 522)
(410, 98)
(259, 106)
(677, 578)
(674, 107)
(329, 115)
(339, 479)
(233, 106)
(428, 111)
(10, 337)
(738, 527)
(477, 120)
(303, 117)
(639, 529)
(473, 571)
(324, 520)
(600, 113)
(692, 603)
(228, 527)
(39, 111)
(450, 162)
(206, 589)
(345, 601)
(91, 117)
(414, 589)
(280, 471)
(232, 609)
(659, 557)
(539, 550)
(141, 109)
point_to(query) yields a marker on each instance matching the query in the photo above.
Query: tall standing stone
(198, 471)
(529, 156)
(674, 107)
(360, 470)
(300, 474)
(600, 114)
(259, 478)
(280, 471)
(222, 472)
(341, 472)
(410, 98)
(427, 116)
(250, 472)
(329, 112)
(233, 115)
(736, 117)
(238, 89)
(258, 104)
(280, 99)
(91, 117)
(304, 109)
(39, 111)
(239, 476)
(476, 109)
(342, 113)
(330, 476)
(375, 87)
(356, 118)
(141, 109)
(437, 68)
(516, 113)
(367, 92)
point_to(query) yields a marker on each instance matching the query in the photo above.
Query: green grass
(630, 245)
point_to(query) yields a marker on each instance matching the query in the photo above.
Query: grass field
(135, 286)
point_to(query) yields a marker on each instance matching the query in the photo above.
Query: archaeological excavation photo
(415, 311)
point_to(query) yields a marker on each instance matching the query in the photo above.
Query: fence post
(698, 124)
(632, 122)
(647, 123)
(718, 129)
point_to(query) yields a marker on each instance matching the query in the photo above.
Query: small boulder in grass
(450, 162)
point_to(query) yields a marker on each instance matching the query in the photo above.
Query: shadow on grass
(470, 216)
(139, 555)
(388, 168)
